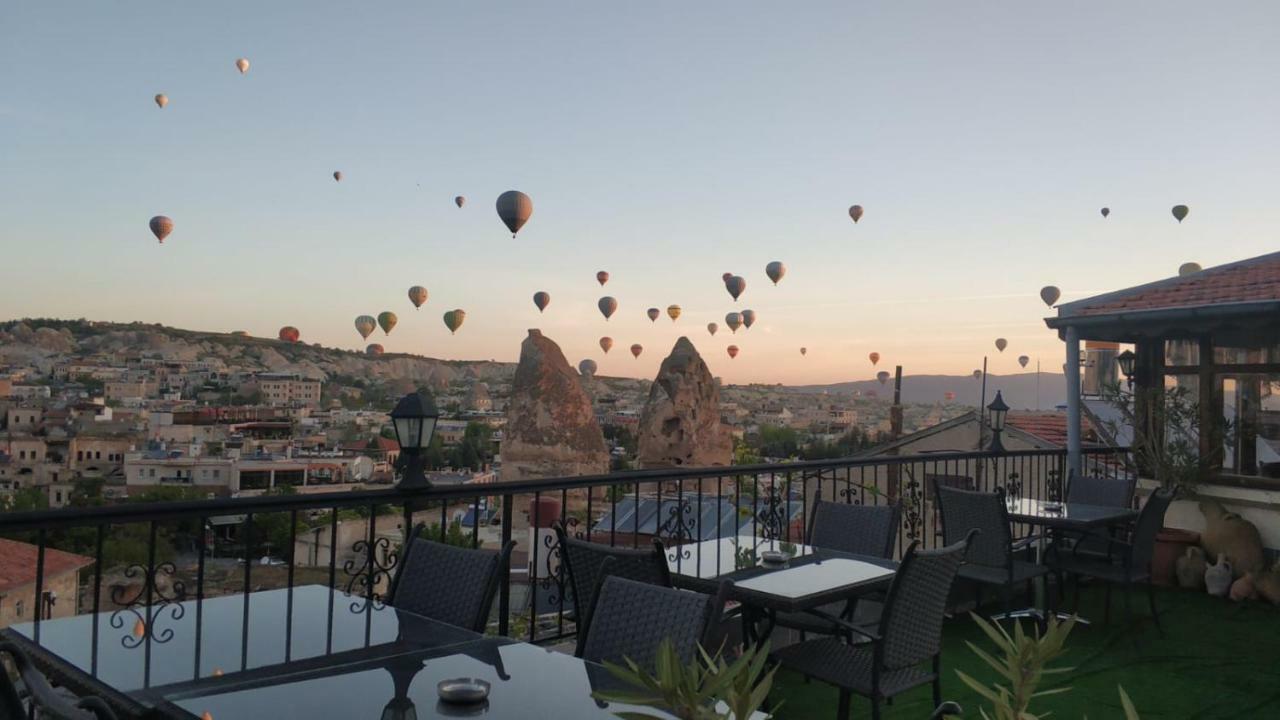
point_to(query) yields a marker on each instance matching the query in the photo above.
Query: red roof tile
(1253, 280)
(18, 564)
(1048, 426)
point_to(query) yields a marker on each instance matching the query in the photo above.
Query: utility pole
(895, 432)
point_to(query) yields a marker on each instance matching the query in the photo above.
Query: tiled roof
(18, 564)
(1253, 280)
(1048, 426)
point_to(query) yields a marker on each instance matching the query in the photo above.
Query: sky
(665, 142)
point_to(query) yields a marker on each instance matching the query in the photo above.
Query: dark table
(132, 658)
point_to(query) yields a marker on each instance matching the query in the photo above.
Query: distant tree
(27, 498)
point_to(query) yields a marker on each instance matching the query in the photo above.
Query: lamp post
(997, 409)
(1126, 362)
(414, 419)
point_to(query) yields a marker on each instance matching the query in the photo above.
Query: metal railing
(146, 557)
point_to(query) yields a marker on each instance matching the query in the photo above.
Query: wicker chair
(870, 530)
(991, 559)
(583, 563)
(630, 619)
(446, 583)
(909, 633)
(1092, 490)
(40, 698)
(1128, 563)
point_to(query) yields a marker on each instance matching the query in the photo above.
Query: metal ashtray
(448, 709)
(774, 557)
(463, 691)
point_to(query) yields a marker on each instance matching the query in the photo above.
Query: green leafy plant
(708, 688)
(1022, 661)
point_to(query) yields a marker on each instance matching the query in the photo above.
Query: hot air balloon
(748, 318)
(874, 358)
(514, 208)
(636, 350)
(1188, 268)
(1106, 212)
(587, 367)
(712, 328)
(1050, 294)
(804, 351)
(608, 306)
(374, 349)
(775, 270)
(606, 344)
(673, 312)
(1023, 360)
(387, 321)
(242, 65)
(1001, 344)
(734, 321)
(977, 374)
(337, 176)
(542, 300)
(1180, 212)
(289, 333)
(453, 319)
(460, 201)
(948, 396)
(653, 314)
(855, 212)
(602, 277)
(733, 351)
(162, 100)
(417, 295)
(725, 277)
(365, 325)
(883, 376)
(735, 285)
(161, 226)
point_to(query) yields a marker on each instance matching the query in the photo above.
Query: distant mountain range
(1019, 391)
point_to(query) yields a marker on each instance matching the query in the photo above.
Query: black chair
(909, 633)
(48, 704)
(629, 619)
(992, 555)
(870, 530)
(1128, 563)
(451, 584)
(1102, 491)
(583, 563)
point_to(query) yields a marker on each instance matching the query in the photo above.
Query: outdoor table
(1062, 516)
(811, 578)
(130, 657)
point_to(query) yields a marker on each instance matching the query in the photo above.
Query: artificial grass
(1217, 659)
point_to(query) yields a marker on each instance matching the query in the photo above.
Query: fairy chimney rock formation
(680, 425)
(551, 430)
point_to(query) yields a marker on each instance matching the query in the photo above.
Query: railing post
(504, 590)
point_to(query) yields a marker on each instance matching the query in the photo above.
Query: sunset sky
(665, 142)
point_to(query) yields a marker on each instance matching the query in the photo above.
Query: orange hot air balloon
(653, 314)
(289, 333)
(206, 715)
(242, 65)
(775, 270)
(855, 212)
(542, 300)
(1050, 294)
(673, 312)
(608, 306)
(733, 351)
(514, 209)
(139, 628)
(337, 176)
(161, 226)
(748, 318)
(712, 328)
(1023, 360)
(636, 350)
(162, 100)
(374, 349)
(365, 325)
(1180, 212)
(606, 344)
(948, 396)
(602, 277)
(734, 321)
(874, 358)
(460, 201)
(804, 351)
(387, 321)
(453, 320)
(417, 295)
(1001, 344)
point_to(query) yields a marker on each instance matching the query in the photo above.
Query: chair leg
(1128, 614)
(1075, 605)
(1106, 612)
(1151, 599)
(937, 680)
(875, 709)
(842, 711)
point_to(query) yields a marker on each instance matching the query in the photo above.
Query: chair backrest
(630, 619)
(1150, 520)
(858, 529)
(1103, 491)
(965, 510)
(583, 562)
(447, 583)
(911, 624)
(48, 704)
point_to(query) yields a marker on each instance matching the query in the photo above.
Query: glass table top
(188, 641)
(1043, 512)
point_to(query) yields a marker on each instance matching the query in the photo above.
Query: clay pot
(1171, 544)
(1190, 569)
(1244, 589)
(1217, 577)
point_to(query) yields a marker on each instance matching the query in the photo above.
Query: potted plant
(708, 688)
